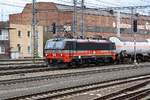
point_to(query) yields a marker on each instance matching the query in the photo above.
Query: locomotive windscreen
(54, 45)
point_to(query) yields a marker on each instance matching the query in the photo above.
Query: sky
(15, 6)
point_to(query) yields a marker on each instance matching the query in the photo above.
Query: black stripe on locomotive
(73, 45)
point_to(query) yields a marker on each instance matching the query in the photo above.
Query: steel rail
(53, 76)
(136, 95)
(125, 93)
(80, 89)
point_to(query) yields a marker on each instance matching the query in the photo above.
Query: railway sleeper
(119, 95)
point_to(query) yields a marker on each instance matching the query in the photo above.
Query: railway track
(21, 59)
(13, 62)
(10, 67)
(41, 67)
(134, 92)
(29, 67)
(138, 81)
(25, 70)
(66, 73)
(32, 68)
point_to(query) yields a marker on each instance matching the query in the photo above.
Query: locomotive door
(72, 49)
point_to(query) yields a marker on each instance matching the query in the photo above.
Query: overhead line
(7, 4)
(108, 3)
(126, 7)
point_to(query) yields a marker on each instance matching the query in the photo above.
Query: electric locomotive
(79, 51)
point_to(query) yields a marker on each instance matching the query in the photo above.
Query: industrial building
(95, 23)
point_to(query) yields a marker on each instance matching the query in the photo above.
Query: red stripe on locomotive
(67, 57)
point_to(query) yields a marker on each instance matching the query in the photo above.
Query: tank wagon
(130, 48)
(79, 51)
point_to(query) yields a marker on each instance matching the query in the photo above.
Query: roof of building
(46, 6)
(5, 25)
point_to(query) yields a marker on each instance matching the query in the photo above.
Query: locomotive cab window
(59, 45)
(54, 45)
(49, 45)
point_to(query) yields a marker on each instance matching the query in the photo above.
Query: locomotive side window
(113, 47)
(70, 45)
(95, 46)
(82, 46)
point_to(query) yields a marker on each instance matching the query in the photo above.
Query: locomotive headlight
(46, 54)
(79, 57)
(93, 52)
(61, 54)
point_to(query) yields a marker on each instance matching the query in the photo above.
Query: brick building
(96, 22)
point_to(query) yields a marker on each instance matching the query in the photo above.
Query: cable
(96, 5)
(145, 1)
(109, 3)
(16, 3)
(12, 5)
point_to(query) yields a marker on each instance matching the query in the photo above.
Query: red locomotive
(79, 51)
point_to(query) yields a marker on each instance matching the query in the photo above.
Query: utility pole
(118, 23)
(34, 50)
(2, 14)
(132, 30)
(82, 19)
(148, 29)
(75, 18)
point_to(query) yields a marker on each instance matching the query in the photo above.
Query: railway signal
(135, 25)
(54, 28)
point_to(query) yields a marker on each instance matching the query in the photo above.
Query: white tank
(142, 47)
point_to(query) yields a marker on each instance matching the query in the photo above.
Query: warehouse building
(96, 22)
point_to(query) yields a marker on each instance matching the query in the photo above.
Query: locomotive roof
(79, 40)
(130, 39)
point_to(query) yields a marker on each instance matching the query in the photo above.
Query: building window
(2, 50)
(19, 33)
(4, 34)
(29, 49)
(19, 47)
(29, 33)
